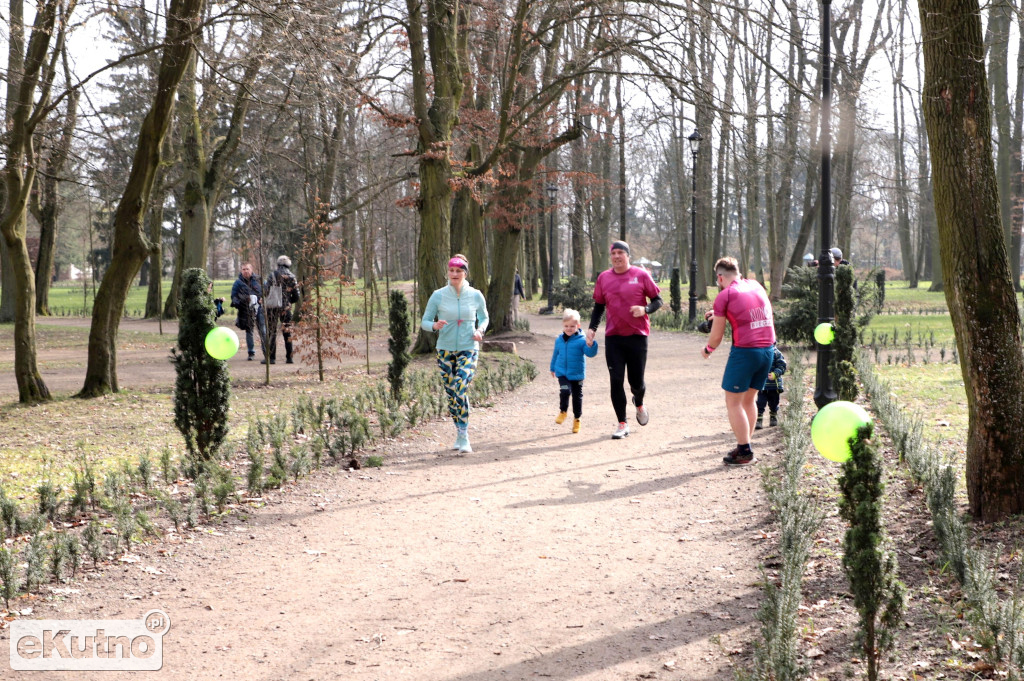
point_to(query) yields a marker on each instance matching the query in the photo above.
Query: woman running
(458, 313)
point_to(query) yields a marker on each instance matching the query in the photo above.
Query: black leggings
(576, 389)
(626, 356)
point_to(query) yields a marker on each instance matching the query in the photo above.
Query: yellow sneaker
(575, 425)
(560, 419)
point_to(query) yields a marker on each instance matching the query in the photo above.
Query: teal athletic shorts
(747, 368)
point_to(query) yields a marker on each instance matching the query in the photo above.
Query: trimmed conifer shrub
(399, 326)
(870, 566)
(675, 298)
(843, 372)
(202, 390)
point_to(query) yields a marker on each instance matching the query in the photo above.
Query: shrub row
(999, 622)
(798, 516)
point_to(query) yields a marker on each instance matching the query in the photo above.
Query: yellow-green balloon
(221, 342)
(824, 333)
(833, 427)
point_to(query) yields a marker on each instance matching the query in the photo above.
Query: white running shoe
(621, 432)
(642, 414)
(466, 448)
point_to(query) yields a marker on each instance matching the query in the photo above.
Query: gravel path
(541, 555)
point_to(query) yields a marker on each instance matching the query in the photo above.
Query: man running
(623, 291)
(744, 304)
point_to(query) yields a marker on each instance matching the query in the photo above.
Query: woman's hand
(439, 324)
(478, 335)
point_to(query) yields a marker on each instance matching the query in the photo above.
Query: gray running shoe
(621, 432)
(642, 414)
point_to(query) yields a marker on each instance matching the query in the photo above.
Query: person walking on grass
(744, 304)
(769, 396)
(282, 292)
(246, 296)
(569, 366)
(624, 291)
(458, 313)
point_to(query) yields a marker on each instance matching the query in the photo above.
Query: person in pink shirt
(744, 304)
(623, 292)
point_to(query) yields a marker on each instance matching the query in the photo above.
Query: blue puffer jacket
(567, 360)
(778, 368)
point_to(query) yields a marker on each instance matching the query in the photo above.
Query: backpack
(275, 300)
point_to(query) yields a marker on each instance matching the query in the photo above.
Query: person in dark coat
(247, 297)
(279, 308)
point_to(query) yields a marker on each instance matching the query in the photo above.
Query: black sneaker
(252, 357)
(773, 420)
(289, 361)
(760, 422)
(263, 361)
(735, 458)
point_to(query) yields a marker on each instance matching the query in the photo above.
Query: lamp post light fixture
(694, 139)
(824, 392)
(552, 190)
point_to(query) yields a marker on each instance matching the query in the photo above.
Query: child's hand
(590, 341)
(552, 374)
(771, 375)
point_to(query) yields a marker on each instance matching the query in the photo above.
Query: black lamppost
(695, 139)
(552, 193)
(824, 392)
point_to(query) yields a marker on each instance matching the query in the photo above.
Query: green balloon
(833, 427)
(221, 342)
(824, 333)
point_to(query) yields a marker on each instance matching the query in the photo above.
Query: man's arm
(595, 321)
(654, 305)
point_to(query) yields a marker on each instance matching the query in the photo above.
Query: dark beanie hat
(621, 245)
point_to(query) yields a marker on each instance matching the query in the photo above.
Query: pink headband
(460, 263)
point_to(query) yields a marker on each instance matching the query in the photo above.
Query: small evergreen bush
(399, 327)
(576, 293)
(9, 585)
(675, 299)
(797, 314)
(869, 564)
(202, 390)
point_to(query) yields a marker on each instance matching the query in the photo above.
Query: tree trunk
(999, 57)
(19, 175)
(900, 161)
(979, 293)
(49, 208)
(130, 244)
(435, 121)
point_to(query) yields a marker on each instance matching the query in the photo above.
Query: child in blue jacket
(569, 366)
(769, 395)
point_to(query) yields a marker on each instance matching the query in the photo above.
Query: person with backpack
(246, 296)
(282, 291)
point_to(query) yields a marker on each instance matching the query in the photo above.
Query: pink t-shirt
(618, 293)
(745, 304)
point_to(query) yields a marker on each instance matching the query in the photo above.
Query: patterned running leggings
(457, 369)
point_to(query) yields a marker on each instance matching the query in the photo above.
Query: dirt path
(541, 555)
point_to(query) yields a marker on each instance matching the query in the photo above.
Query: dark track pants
(574, 388)
(627, 358)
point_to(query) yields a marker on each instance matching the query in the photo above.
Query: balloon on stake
(221, 342)
(833, 427)
(824, 333)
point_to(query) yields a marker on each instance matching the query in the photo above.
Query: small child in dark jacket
(769, 396)
(569, 366)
